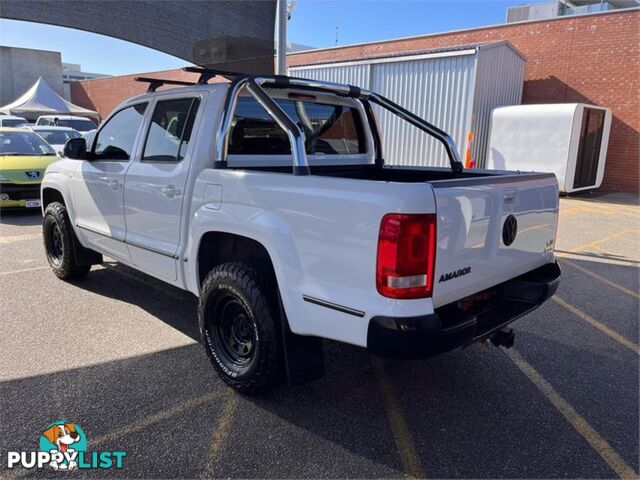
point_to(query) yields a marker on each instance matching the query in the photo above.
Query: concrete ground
(117, 353)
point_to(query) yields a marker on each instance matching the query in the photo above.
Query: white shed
(454, 88)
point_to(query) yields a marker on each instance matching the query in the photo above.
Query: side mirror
(76, 148)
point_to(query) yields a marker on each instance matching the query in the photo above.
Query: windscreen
(328, 129)
(80, 125)
(58, 137)
(23, 143)
(13, 122)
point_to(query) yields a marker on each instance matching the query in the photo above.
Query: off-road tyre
(238, 307)
(60, 242)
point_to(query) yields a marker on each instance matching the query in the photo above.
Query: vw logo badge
(33, 174)
(509, 230)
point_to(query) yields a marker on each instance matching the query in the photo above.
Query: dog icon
(62, 436)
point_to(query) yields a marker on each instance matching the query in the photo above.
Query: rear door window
(170, 130)
(328, 129)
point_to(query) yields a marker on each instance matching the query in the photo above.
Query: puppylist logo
(63, 446)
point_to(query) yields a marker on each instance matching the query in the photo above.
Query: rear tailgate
(477, 219)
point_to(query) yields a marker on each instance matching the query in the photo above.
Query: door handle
(112, 182)
(510, 196)
(170, 191)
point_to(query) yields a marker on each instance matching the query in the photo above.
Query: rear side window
(115, 140)
(328, 129)
(170, 130)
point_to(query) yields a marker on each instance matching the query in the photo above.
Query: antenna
(338, 14)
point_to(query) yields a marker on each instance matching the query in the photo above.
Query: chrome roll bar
(416, 121)
(300, 162)
(296, 138)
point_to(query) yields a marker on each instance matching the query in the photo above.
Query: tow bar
(503, 338)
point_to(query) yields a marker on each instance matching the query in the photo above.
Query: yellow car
(24, 156)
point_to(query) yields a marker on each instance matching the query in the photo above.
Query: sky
(313, 23)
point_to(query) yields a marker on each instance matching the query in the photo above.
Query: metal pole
(281, 52)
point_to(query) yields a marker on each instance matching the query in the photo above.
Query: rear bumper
(450, 327)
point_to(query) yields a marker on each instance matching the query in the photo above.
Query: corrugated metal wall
(353, 74)
(455, 92)
(499, 82)
(440, 90)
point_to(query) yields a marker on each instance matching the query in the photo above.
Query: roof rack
(207, 74)
(154, 83)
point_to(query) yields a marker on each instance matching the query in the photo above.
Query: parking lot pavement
(117, 353)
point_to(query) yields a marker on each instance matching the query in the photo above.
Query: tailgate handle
(509, 196)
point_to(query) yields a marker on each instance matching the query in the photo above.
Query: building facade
(558, 8)
(72, 72)
(590, 58)
(20, 68)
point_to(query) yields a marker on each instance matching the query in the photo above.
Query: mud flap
(84, 256)
(303, 355)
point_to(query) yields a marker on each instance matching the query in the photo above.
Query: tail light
(406, 255)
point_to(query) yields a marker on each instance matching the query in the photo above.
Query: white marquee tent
(41, 99)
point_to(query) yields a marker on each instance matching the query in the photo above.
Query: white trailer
(567, 139)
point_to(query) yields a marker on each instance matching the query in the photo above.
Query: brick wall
(592, 59)
(104, 94)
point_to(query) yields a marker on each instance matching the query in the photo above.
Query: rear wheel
(239, 324)
(60, 243)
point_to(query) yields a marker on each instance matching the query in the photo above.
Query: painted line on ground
(599, 206)
(590, 257)
(602, 240)
(597, 442)
(411, 463)
(118, 433)
(22, 270)
(598, 324)
(601, 278)
(154, 418)
(628, 209)
(19, 238)
(630, 239)
(220, 433)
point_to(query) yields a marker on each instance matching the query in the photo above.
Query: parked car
(269, 199)
(56, 136)
(24, 156)
(80, 124)
(89, 136)
(12, 121)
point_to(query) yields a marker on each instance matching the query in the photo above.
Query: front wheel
(60, 243)
(239, 319)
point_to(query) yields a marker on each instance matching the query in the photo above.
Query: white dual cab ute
(269, 199)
